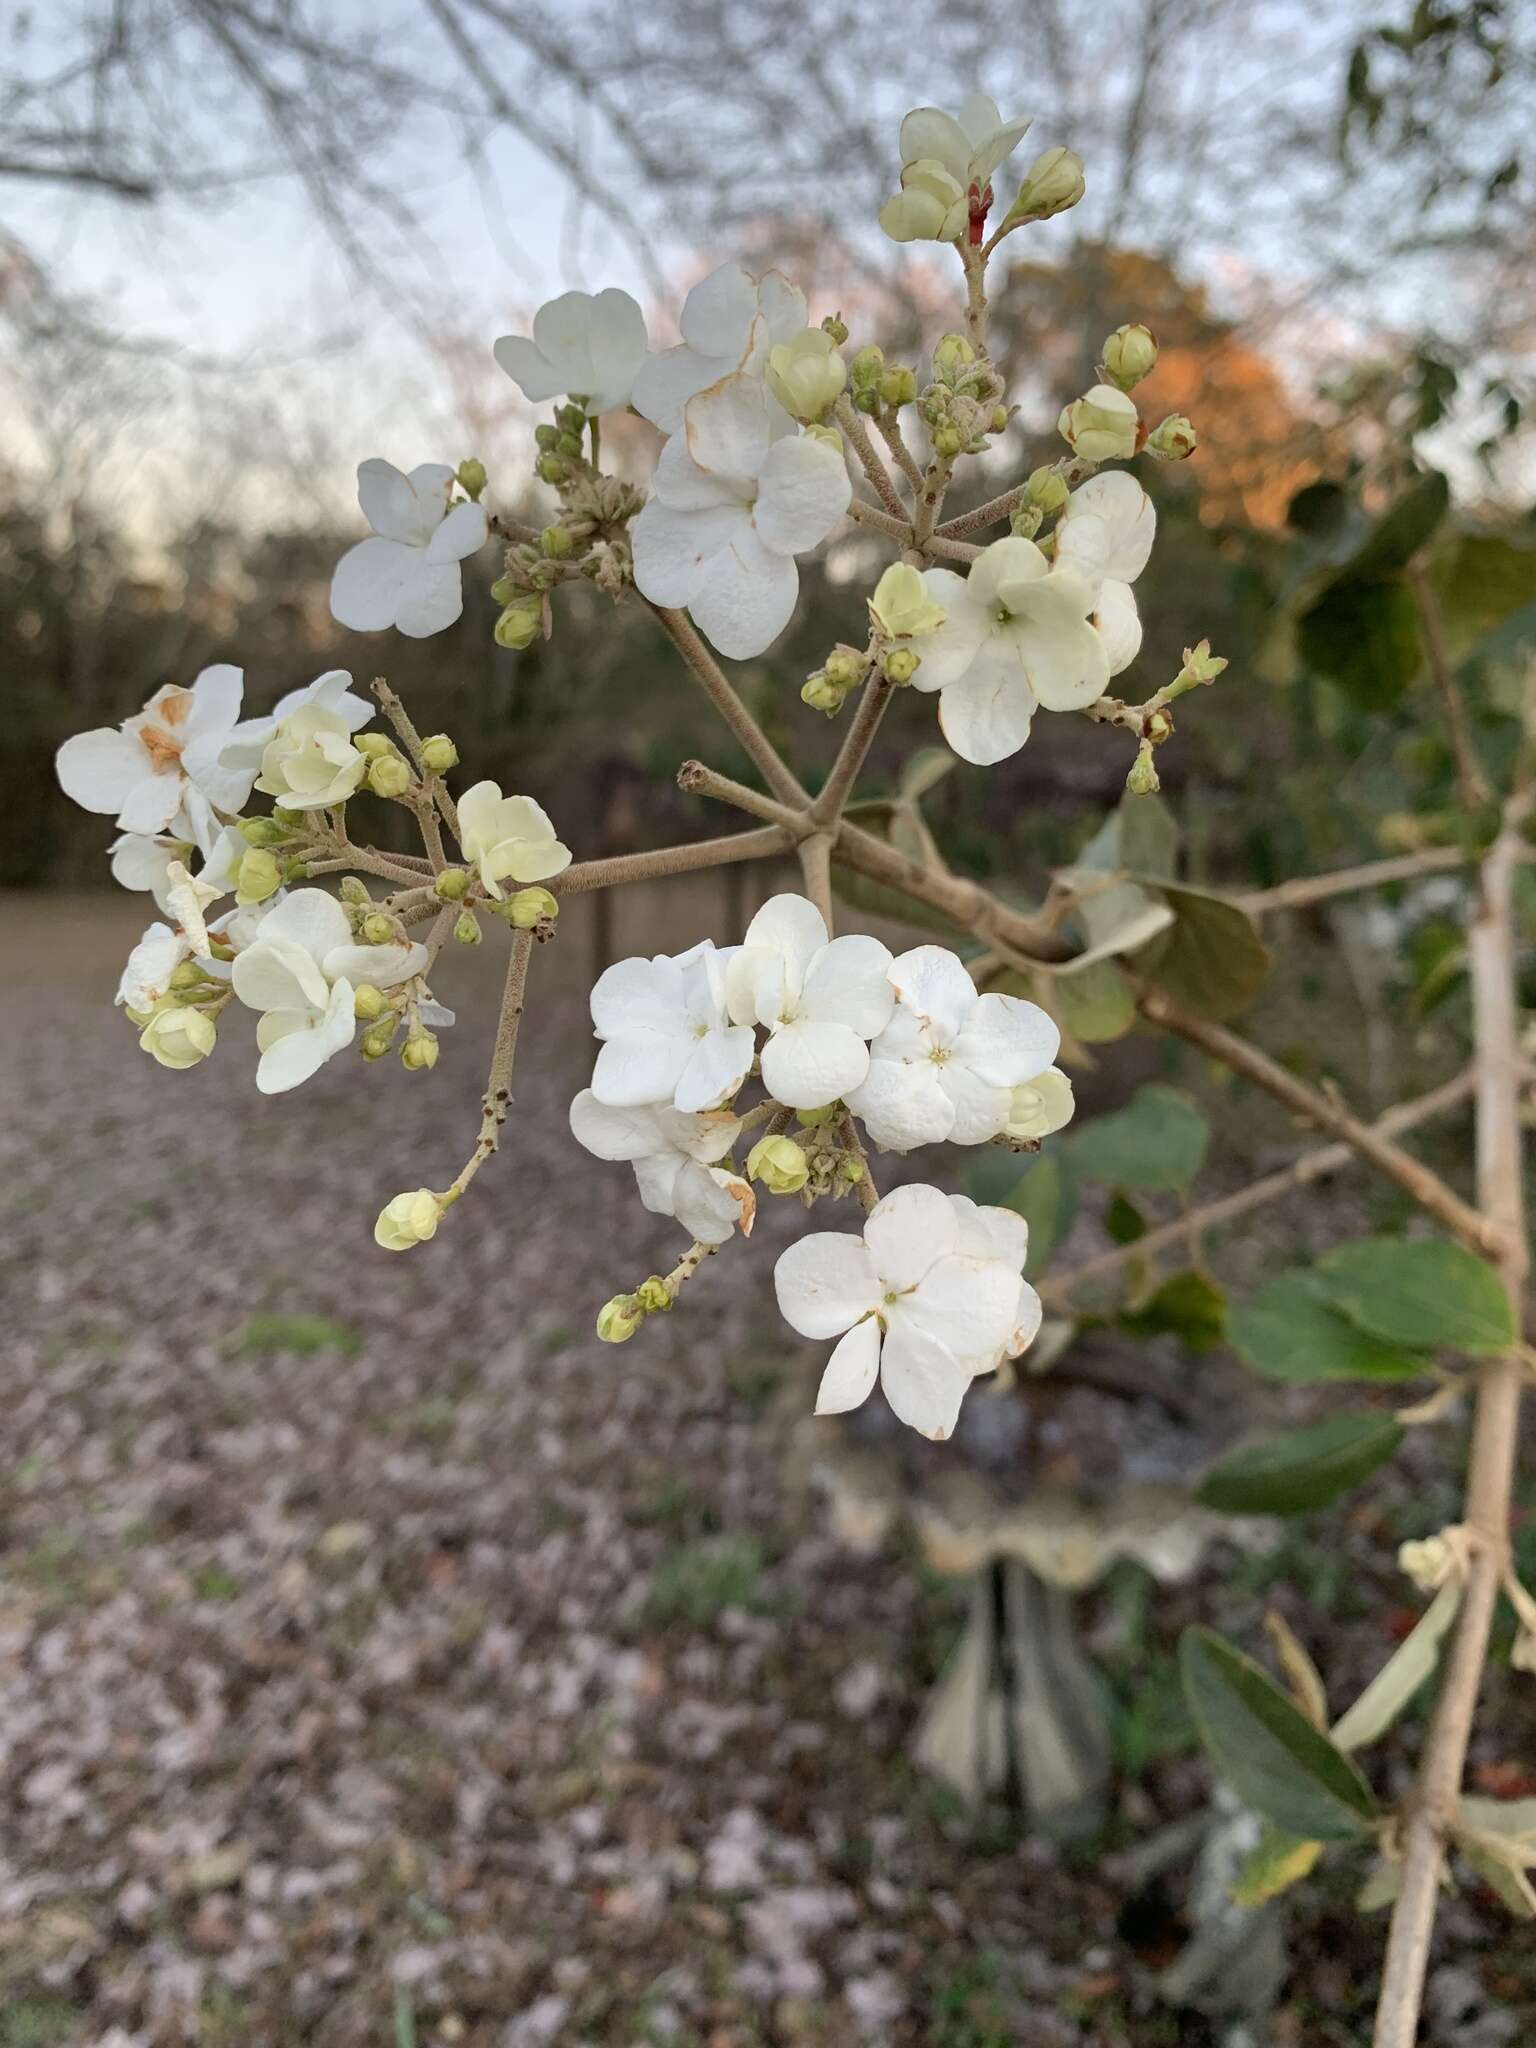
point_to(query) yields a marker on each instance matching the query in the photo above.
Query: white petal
(656, 1176)
(1108, 527)
(671, 548)
(139, 862)
(641, 1067)
(711, 1203)
(381, 966)
(459, 535)
(901, 1105)
(934, 983)
(617, 341)
(611, 1133)
(369, 582)
(277, 975)
(825, 1283)
(718, 312)
(682, 486)
(807, 1065)
(1118, 623)
(664, 383)
(431, 597)
(851, 1370)
(848, 982)
(907, 1231)
(300, 1054)
(805, 491)
(981, 1109)
(98, 769)
(638, 994)
(215, 700)
(311, 919)
(930, 132)
(951, 648)
(987, 1232)
(1007, 1040)
(923, 1381)
(792, 927)
(782, 306)
(389, 504)
(726, 427)
(151, 805)
(979, 118)
(986, 714)
(1028, 1317)
(716, 1068)
(1065, 659)
(914, 216)
(529, 368)
(562, 330)
(1006, 571)
(746, 596)
(968, 1305)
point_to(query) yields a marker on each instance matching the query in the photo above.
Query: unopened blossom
(300, 970)
(734, 503)
(946, 1064)
(178, 1036)
(942, 157)
(667, 1036)
(730, 322)
(227, 763)
(1106, 532)
(1102, 426)
(142, 772)
(509, 838)
(1040, 1106)
(1017, 632)
(406, 574)
(585, 345)
(1052, 184)
(909, 1301)
(310, 760)
(806, 374)
(409, 1219)
(902, 606)
(1130, 354)
(820, 1000)
(675, 1157)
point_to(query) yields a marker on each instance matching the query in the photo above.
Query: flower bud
(368, 1003)
(947, 443)
(178, 1037)
(354, 890)
(814, 1119)
(377, 929)
(1102, 426)
(571, 417)
(844, 667)
(653, 1295)
(378, 1038)
(375, 744)
(411, 1218)
(953, 355)
(1046, 488)
(1200, 665)
(1173, 438)
(829, 437)
(1159, 725)
(901, 664)
(1000, 418)
(187, 975)
(1142, 780)
(1025, 521)
(780, 1164)
(618, 1320)
(899, 387)
(552, 468)
(1038, 1107)
(822, 694)
(452, 885)
(261, 832)
(545, 437)
(836, 326)
(901, 606)
(439, 754)
(530, 907)
(866, 368)
(472, 477)
(1129, 355)
(257, 877)
(850, 1171)
(467, 931)
(1053, 182)
(556, 542)
(387, 776)
(569, 445)
(806, 374)
(518, 626)
(419, 1053)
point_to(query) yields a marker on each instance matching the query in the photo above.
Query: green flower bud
(388, 776)
(552, 468)
(844, 667)
(419, 1054)
(291, 821)
(850, 1171)
(261, 832)
(947, 443)
(467, 931)
(378, 1038)
(1173, 438)
(618, 1320)
(571, 417)
(866, 368)
(545, 437)
(472, 477)
(1053, 182)
(1142, 780)
(377, 929)
(452, 885)
(187, 975)
(835, 325)
(1047, 488)
(1103, 426)
(530, 907)
(504, 590)
(1129, 355)
(518, 626)
(822, 694)
(368, 1003)
(257, 877)
(439, 754)
(901, 664)
(780, 1164)
(354, 890)
(1026, 521)
(375, 744)
(1200, 665)
(555, 543)
(1000, 419)
(953, 355)
(868, 400)
(569, 445)
(295, 871)
(653, 1296)
(899, 386)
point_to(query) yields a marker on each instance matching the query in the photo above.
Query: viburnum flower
(1101, 426)
(1039, 1106)
(310, 760)
(910, 1301)
(585, 345)
(1017, 632)
(300, 970)
(142, 772)
(946, 1064)
(730, 321)
(942, 157)
(509, 838)
(735, 501)
(674, 1156)
(406, 574)
(821, 1000)
(667, 1037)
(227, 763)
(1106, 531)
(901, 605)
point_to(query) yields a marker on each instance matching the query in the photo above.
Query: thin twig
(869, 461)
(888, 427)
(1371, 874)
(497, 1099)
(395, 712)
(900, 530)
(671, 860)
(857, 741)
(1471, 782)
(721, 692)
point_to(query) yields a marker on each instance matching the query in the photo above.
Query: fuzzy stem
(670, 860)
(857, 741)
(497, 1099)
(395, 712)
(815, 852)
(900, 530)
(888, 427)
(1372, 874)
(869, 461)
(721, 692)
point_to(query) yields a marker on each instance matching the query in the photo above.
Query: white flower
(806, 373)
(178, 1037)
(674, 1157)
(730, 322)
(1106, 530)
(942, 157)
(901, 606)
(989, 1233)
(227, 763)
(300, 970)
(1040, 1106)
(667, 1036)
(406, 574)
(310, 760)
(1102, 426)
(409, 1219)
(911, 1301)
(146, 979)
(1016, 632)
(141, 862)
(733, 506)
(821, 1001)
(147, 772)
(584, 346)
(509, 838)
(946, 1064)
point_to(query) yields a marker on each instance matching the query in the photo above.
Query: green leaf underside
(1289, 1332)
(1266, 1749)
(1427, 1293)
(1303, 1469)
(1211, 958)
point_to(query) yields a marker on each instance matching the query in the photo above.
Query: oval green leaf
(1290, 1333)
(1303, 1469)
(1156, 1143)
(1425, 1292)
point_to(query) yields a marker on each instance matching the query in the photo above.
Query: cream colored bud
(822, 694)
(1047, 488)
(368, 1003)
(1173, 439)
(1025, 521)
(388, 776)
(844, 667)
(902, 664)
(780, 1164)
(257, 877)
(377, 929)
(1053, 182)
(1129, 355)
(410, 1219)
(312, 760)
(466, 930)
(419, 1054)
(178, 1037)
(1102, 426)
(653, 1295)
(375, 745)
(519, 625)
(378, 1038)
(806, 374)
(829, 437)
(1038, 1107)
(439, 754)
(452, 884)
(618, 1320)
(530, 907)
(898, 387)
(901, 606)
(947, 443)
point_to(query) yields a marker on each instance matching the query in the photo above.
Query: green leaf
(1290, 1333)
(1266, 1749)
(1427, 1292)
(1212, 959)
(1402, 530)
(1094, 1006)
(1157, 1142)
(1363, 636)
(1124, 1221)
(1113, 916)
(1275, 1862)
(1401, 1676)
(1302, 1469)
(1148, 838)
(1321, 510)
(1187, 1306)
(1483, 581)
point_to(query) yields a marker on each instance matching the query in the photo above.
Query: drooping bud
(257, 877)
(410, 1219)
(1102, 426)
(806, 374)
(178, 1037)
(378, 1038)
(467, 930)
(1129, 355)
(780, 1164)
(1173, 438)
(902, 664)
(953, 355)
(368, 1003)
(1053, 182)
(844, 667)
(618, 1319)
(1143, 779)
(452, 885)
(518, 626)
(439, 754)
(472, 477)
(901, 606)
(530, 907)
(388, 776)
(419, 1053)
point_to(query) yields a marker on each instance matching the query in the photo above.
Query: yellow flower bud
(901, 606)
(844, 667)
(257, 877)
(780, 1164)
(375, 744)
(901, 664)
(1102, 426)
(388, 776)
(178, 1037)
(411, 1218)
(829, 437)
(452, 884)
(377, 929)
(530, 907)
(653, 1296)
(467, 930)
(822, 694)
(439, 754)
(262, 831)
(1053, 182)
(866, 368)
(618, 1320)
(1143, 779)
(354, 890)
(472, 477)
(518, 626)
(368, 1003)
(952, 355)
(1129, 355)
(1047, 488)
(556, 542)
(806, 374)
(419, 1054)
(378, 1038)
(1173, 438)
(898, 387)
(947, 443)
